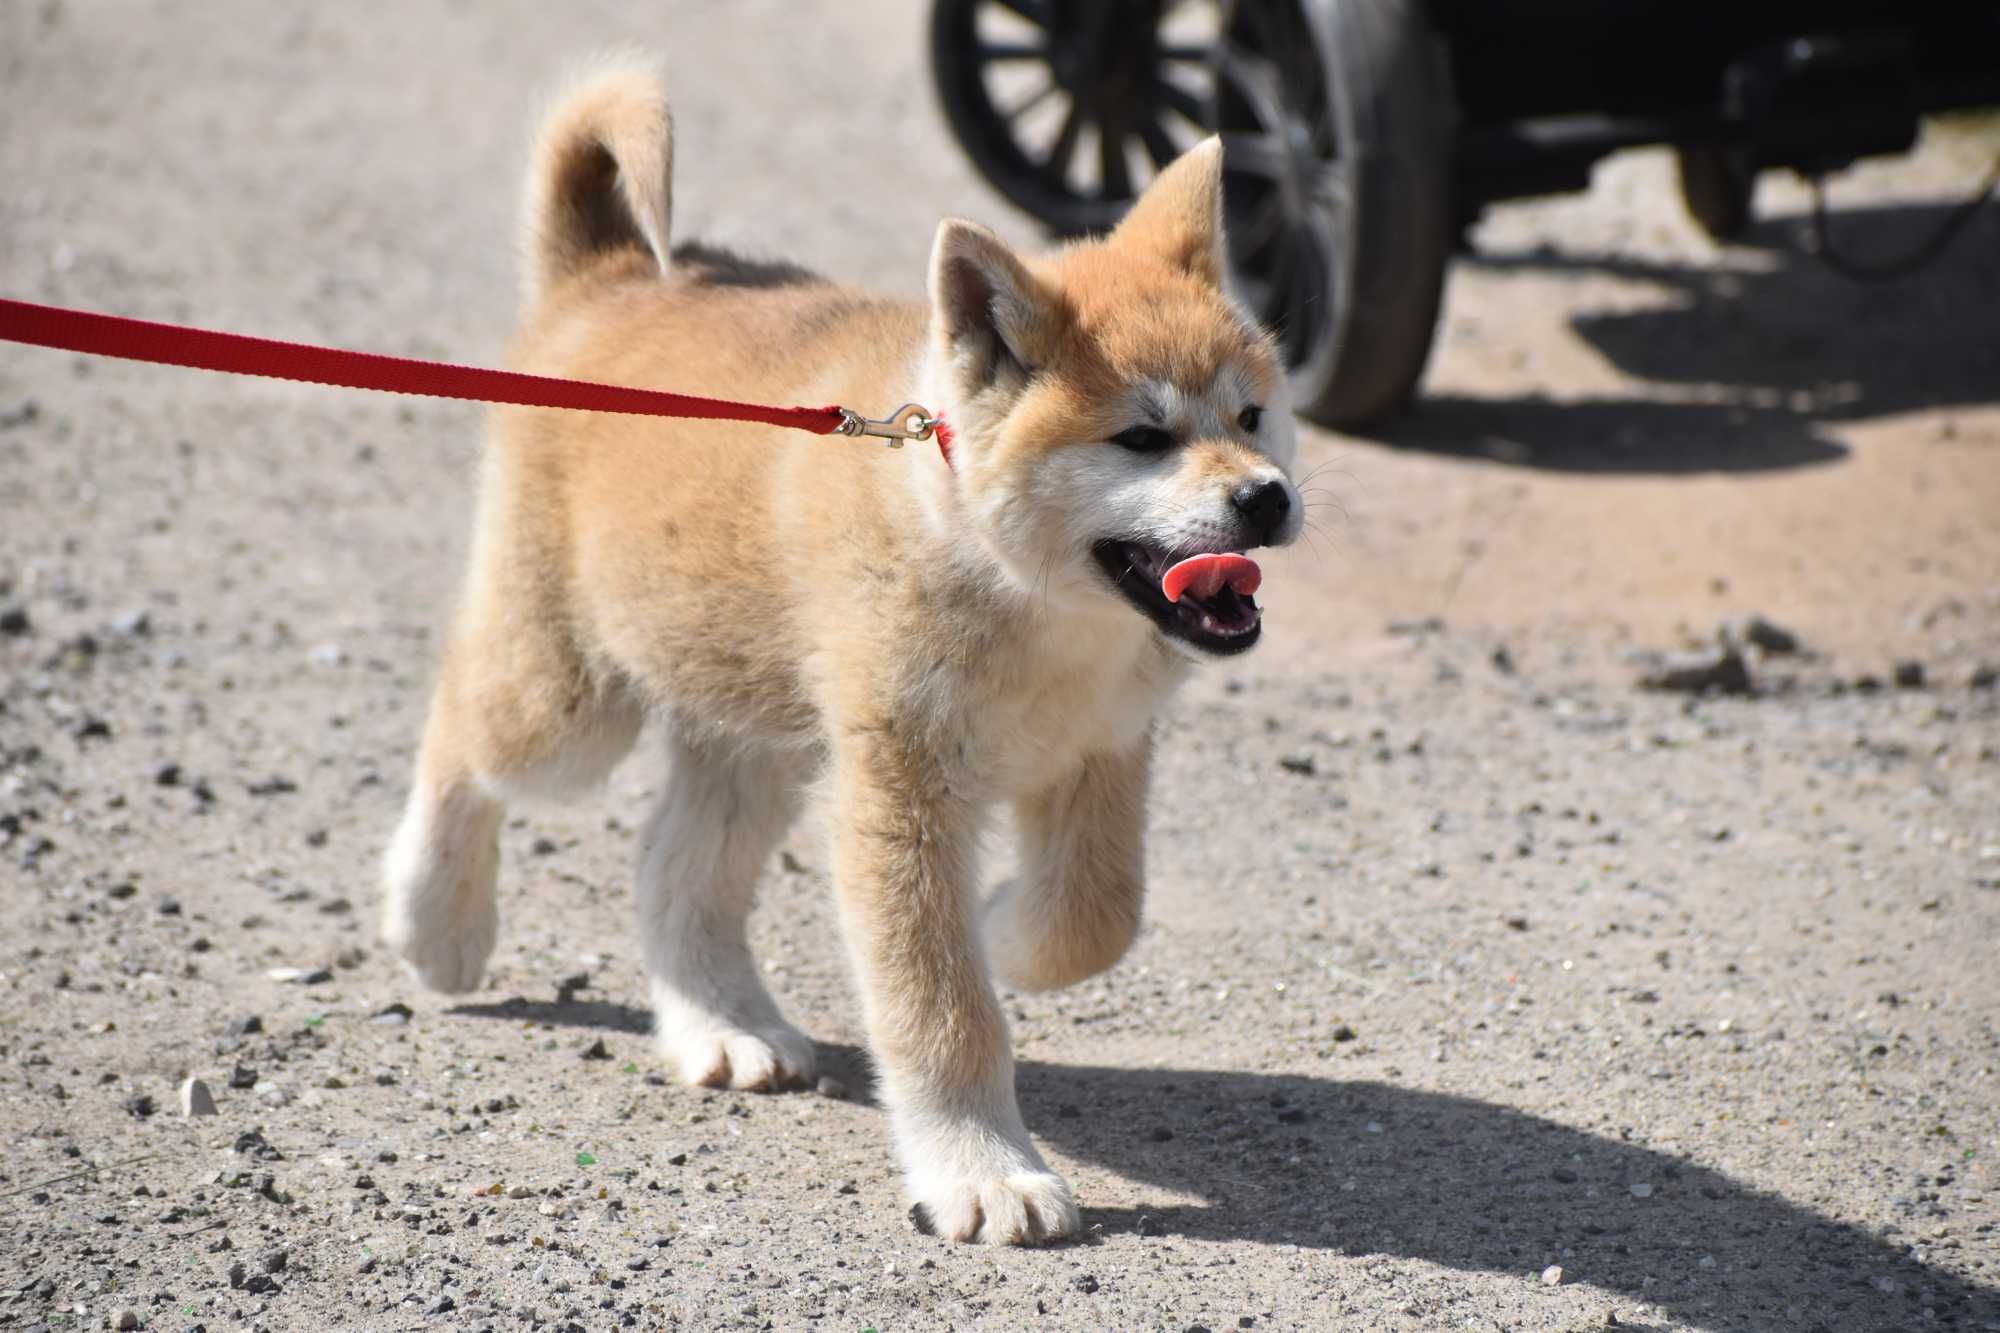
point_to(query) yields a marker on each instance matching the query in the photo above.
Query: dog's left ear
(988, 312)
(1179, 217)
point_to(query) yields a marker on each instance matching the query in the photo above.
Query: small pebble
(1552, 1276)
(1642, 1190)
(1721, 669)
(1909, 675)
(124, 1319)
(1758, 632)
(831, 1087)
(597, 1050)
(196, 1099)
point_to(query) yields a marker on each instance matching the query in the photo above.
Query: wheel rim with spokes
(1285, 181)
(1071, 107)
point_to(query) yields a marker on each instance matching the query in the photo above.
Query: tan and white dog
(919, 639)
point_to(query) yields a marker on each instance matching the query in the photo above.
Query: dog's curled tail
(602, 173)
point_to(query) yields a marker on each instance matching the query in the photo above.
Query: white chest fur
(1071, 692)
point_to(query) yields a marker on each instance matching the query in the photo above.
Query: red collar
(941, 432)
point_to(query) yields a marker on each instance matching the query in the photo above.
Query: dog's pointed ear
(1179, 217)
(989, 314)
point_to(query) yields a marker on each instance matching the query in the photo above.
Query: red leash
(206, 349)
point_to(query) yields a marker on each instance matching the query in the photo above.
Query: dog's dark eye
(1250, 418)
(1144, 440)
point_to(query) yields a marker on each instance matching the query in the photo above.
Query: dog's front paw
(770, 1059)
(1029, 1208)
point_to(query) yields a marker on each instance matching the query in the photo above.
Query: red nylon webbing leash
(236, 354)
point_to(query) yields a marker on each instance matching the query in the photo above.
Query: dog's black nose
(1265, 505)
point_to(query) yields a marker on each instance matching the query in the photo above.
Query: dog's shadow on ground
(1368, 1168)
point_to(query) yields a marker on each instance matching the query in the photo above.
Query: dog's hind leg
(438, 910)
(1074, 909)
(716, 824)
(512, 714)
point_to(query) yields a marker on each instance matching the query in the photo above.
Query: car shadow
(1752, 359)
(1369, 1168)
(1612, 435)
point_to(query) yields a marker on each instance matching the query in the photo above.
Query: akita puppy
(919, 637)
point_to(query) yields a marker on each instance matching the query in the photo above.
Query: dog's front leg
(1074, 910)
(903, 864)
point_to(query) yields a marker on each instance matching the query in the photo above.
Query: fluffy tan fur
(920, 641)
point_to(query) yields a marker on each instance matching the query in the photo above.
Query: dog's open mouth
(1204, 599)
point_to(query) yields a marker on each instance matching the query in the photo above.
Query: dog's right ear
(989, 314)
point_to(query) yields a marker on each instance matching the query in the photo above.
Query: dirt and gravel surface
(1482, 989)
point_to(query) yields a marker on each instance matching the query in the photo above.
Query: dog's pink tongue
(1205, 575)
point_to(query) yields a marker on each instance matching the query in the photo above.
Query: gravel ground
(1482, 988)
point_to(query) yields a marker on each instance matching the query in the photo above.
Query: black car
(1363, 136)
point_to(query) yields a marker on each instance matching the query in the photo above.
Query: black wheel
(1070, 106)
(1717, 181)
(1336, 118)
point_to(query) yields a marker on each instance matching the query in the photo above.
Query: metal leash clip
(911, 421)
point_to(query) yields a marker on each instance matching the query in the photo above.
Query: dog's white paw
(774, 1057)
(446, 956)
(1031, 1208)
(974, 1174)
(438, 909)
